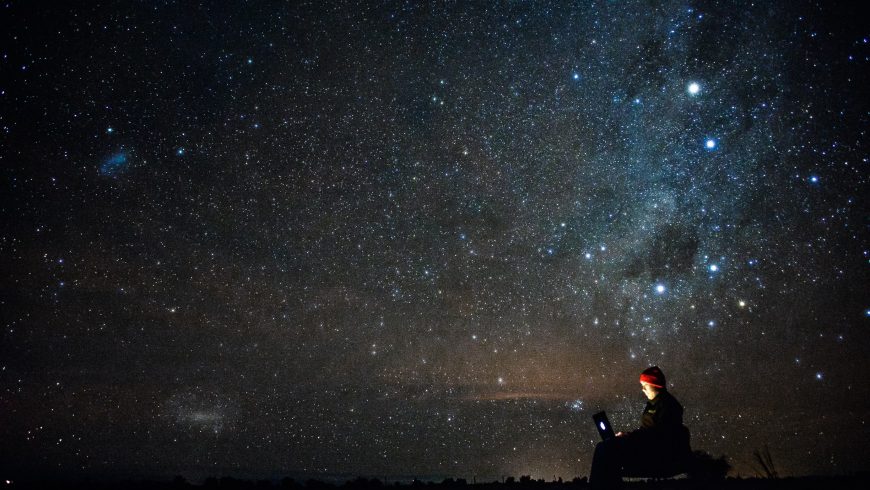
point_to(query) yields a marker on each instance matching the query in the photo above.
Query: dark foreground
(858, 481)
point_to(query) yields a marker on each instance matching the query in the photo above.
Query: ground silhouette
(856, 481)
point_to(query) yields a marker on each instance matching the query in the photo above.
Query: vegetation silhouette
(703, 471)
(766, 467)
(856, 481)
(704, 467)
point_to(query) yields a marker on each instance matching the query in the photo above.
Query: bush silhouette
(705, 467)
(765, 463)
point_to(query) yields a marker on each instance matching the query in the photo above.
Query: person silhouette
(658, 448)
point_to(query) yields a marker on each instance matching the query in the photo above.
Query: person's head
(652, 381)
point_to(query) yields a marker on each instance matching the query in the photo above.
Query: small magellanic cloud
(115, 164)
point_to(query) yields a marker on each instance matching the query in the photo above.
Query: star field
(407, 239)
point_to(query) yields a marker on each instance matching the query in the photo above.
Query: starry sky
(429, 239)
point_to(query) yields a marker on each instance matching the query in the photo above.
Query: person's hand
(620, 434)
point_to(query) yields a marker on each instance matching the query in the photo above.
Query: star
(694, 88)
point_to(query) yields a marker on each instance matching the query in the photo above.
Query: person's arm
(645, 420)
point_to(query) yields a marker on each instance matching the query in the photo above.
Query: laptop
(603, 426)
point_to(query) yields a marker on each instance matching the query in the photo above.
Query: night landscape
(358, 245)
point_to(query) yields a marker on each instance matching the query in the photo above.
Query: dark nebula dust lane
(412, 238)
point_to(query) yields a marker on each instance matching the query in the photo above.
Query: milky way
(400, 239)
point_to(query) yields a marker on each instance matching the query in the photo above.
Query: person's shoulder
(670, 398)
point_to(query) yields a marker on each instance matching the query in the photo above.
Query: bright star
(694, 88)
(660, 288)
(714, 268)
(710, 144)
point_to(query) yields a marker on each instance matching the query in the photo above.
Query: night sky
(401, 239)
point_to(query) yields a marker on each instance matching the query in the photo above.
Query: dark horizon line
(302, 479)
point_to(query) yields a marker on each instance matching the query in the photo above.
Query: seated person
(660, 447)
